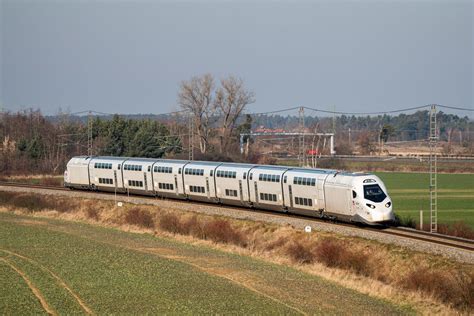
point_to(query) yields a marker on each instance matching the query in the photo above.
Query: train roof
(205, 163)
(237, 165)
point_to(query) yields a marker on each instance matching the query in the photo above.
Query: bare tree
(231, 100)
(196, 96)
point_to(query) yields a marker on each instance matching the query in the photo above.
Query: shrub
(30, 202)
(405, 221)
(170, 223)
(192, 226)
(456, 289)
(334, 253)
(92, 213)
(220, 230)
(329, 252)
(139, 217)
(300, 253)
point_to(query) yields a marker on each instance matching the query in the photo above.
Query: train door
(256, 191)
(241, 192)
(146, 182)
(115, 180)
(176, 184)
(207, 187)
(290, 191)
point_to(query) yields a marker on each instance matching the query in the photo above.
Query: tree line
(214, 112)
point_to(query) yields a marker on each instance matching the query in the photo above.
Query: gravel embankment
(254, 215)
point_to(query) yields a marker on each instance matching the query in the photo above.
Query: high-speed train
(354, 197)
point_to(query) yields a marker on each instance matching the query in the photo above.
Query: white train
(355, 197)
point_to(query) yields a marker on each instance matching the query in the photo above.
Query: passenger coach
(357, 197)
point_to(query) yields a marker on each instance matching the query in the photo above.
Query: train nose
(382, 212)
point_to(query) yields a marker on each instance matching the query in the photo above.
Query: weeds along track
(454, 243)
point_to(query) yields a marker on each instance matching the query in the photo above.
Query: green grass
(410, 194)
(124, 273)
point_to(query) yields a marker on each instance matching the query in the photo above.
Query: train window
(284, 179)
(374, 193)
(211, 173)
(118, 167)
(245, 175)
(313, 182)
(354, 194)
(229, 192)
(260, 177)
(149, 168)
(268, 197)
(251, 175)
(179, 171)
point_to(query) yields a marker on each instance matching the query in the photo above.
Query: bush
(220, 230)
(405, 221)
(300, 253)
(139, 217)
(333, 253)
(456, 289)
(92, 213)
(30, 202)
(329, 252)
(170, 223)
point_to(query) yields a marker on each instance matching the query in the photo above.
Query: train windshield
(374, 193)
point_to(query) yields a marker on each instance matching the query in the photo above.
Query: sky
(130, 56)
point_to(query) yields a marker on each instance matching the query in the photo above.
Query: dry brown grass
(451, 287)
(360, 264)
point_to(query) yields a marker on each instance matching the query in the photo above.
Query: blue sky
(130, 56)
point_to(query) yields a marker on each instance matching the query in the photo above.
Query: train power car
(353, 197)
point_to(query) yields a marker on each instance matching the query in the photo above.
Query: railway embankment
(406, 239)
(390, 271)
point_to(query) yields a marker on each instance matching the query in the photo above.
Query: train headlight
(388, 204)
(370, 205)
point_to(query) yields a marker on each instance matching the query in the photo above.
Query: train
(345, 196)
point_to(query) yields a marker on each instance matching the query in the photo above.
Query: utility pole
(191, 138)
(301, 151)
(89, 134)
(350, 141)
(433, 140)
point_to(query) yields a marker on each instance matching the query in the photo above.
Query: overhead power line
(455, 108)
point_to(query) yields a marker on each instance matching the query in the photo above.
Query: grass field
(70, 268)
(410, 193)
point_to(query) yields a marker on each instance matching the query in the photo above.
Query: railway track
(399, 232)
